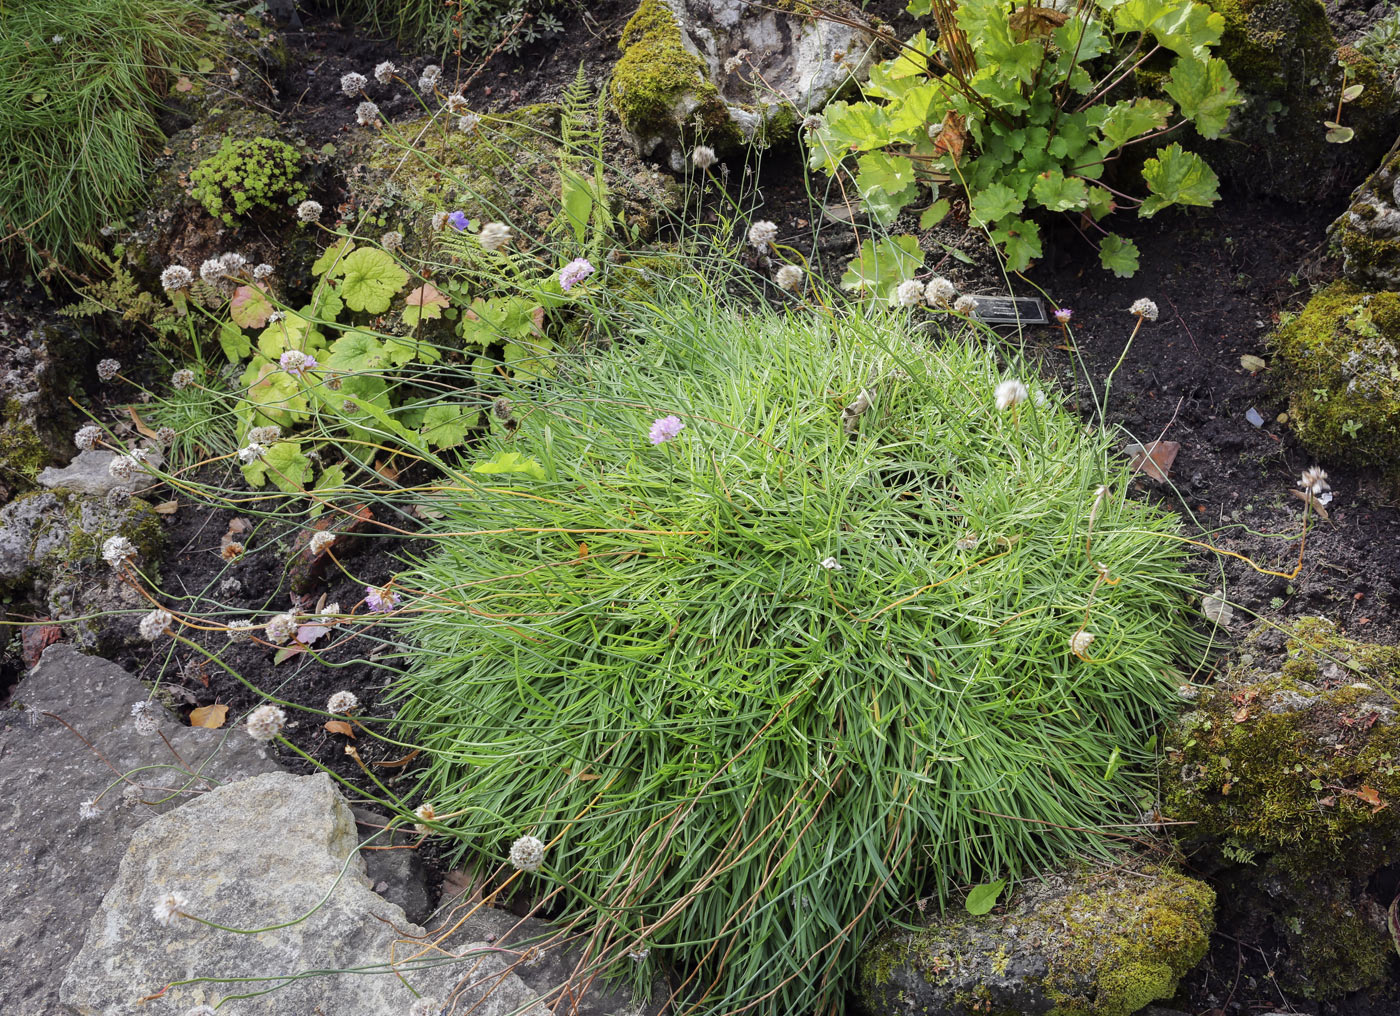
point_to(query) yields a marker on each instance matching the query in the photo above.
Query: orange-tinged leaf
(399, 761)
(340, 727)
(209, 717)
(1370, 795)
(141, 424)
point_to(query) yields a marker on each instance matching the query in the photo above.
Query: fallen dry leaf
(1371, 796)
(1307, 498)
(1251, 363)
(167, 507)
(1155, 460)
(399, 761)
(140, 424)
(209, 717)
(340, 727)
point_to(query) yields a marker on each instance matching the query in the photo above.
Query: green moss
(1112, 943)
(1334, 949)
(659, 87)
(247, 174)
(1341, 375)
(22, 452)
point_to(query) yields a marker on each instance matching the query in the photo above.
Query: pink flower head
(380, 600)
(297, 363)
(574, 272)
(1063, 315)
(668, 428)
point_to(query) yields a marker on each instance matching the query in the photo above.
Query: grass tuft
(741, 760)
(80, 81)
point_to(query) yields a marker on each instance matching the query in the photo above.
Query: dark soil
(1220, 276)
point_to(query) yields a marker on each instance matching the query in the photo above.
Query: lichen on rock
(1341, 372)
(1086, 941)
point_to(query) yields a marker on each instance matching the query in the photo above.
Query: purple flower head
(1063, 315)
(667, 428)
(459, 221)
(574, 272)
(297, 363)
(380, 600)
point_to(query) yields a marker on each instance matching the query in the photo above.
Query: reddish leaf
(340, 727)
(250, 307)
(1155, 460)
(35, 638)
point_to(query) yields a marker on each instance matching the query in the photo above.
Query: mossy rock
(1291, 73)
(1340, 371)
(23, 452)
(1085, 941)
(1291, 780)
(661, 90)
(1368, 233)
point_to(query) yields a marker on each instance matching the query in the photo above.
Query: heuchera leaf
(250, 307)
(880, 266)
(283, 464)
(1184, 27)
(1205, 92)
(1123, 121)
(333, 257)
(1020, 242)
(886, 184)
(994, 204)
(371, 279)
(1178, 177)
(447, 426)
(235, 344)
(1060, 194)
(1118, 255)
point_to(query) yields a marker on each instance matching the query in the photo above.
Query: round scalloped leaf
(370, 280)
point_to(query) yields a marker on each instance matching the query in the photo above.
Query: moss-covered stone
(1291, 778)
(22, 451)
(1291, 73)
(1340, 370)
(1084, 942)
(1368, 233)
(660, 89)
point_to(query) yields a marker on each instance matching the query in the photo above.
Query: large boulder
(1088, 941)
(1287, 770)
(1368, 232)
(76, 780)
(720, 72)
(1291, 73)
(329, 942)
(1339, 366)
(305, 887)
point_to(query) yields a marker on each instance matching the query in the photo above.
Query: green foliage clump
(1341, 370)
(461, 26)
(1016, 105)
(80, 84)
(246, 174)
(1382, 44)
(759, 683)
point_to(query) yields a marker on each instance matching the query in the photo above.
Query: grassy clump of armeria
(765, 622)
(79, 86)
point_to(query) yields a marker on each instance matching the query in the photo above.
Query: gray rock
(396, 874)
(57, 864)
(1368, 232)
(88, 473)
(1098, 942)
(305, 885)
(51, 554)
(787, 61)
